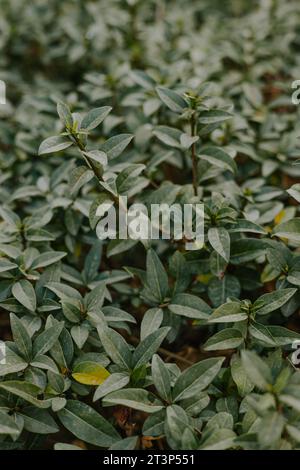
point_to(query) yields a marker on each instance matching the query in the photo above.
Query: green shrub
(127, 344)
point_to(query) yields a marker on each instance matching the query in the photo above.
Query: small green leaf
(220, 439)
(21, 337)
(257, 370)
(196, 378)
(80, 334)
(115, 346)
(293, 431)
(177, 421)
(38, 421)
(273, 336)
(6, 265)
(168, 135)
(220, 241)
(135, 398)
(161, 377)
(269, 302)
(157, 279)
(25, 294)
(86, 424)
(189, 306)
(187, 140)
(8, 425)
(149, 346)
(65, 114)
(240, 377)
(78, 177)
(25, 390)
(171, 99)
(294, 191)
(45, 340)
(54, 144)
(114, 382)
(291, 401)
(270, 429)
(214, 115)
(228, 338)
(152, 320)
(97, 156)
(94, 117)
(289, 230)
(47, 258)
(143, 79)
(13, 362)
(227, 313)
(216, 156)
(114, 146)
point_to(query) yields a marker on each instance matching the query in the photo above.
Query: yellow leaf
(90, 379)
(279, 217)
(204, 278)
(90, 373)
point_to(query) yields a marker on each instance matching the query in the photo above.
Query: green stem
(89, 162)
(92, 165)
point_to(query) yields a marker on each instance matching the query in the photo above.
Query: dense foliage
(128, 344)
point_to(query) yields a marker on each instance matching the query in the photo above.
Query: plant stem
(89, 162)
(92, 165)
(194, 157)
